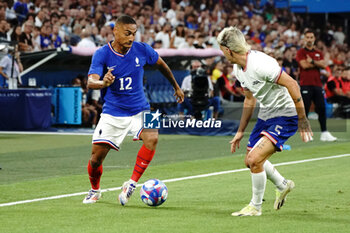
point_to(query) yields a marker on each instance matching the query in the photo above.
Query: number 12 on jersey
(127, 82)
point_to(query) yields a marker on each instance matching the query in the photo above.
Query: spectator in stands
(289, 63)
(55, 37)
(337, 87)
(200, 42)
(229, 86)
(36, 39)
(177, 36)
(164, 35)
(16, 33)
(310, 62)
(291, 31)
(21, 9)
(188, 44)
(25, 39)
(86, 40)
(157, 44)
(216, 71)
(54, 18)
(39, 19)
(45, 37)
(64, 29)
(4, 29)
(339, 36)
(7, 72)
(75, 37)
(100, 19)
(191, 22)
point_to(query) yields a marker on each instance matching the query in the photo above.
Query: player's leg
(143, 159)
(255, 160)
(95, 169)
(278, 132)
(109, 133)
(146, 152)
(283, 185)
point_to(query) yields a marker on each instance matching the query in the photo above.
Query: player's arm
(294, 91)
(248, 109)
(165, 70)
(306, 65)
(94, 81)
(310, 63)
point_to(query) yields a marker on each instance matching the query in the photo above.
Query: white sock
(258, 187)
(273, 175)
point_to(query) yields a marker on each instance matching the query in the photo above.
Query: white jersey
(260, 77)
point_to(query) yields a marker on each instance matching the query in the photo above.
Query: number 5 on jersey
(277, 129)
(127, 82)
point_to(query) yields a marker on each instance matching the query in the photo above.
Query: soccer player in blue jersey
(281, 114)
(117, 69)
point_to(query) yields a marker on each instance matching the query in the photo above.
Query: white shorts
(112, 130)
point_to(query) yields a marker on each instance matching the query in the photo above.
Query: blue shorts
(277, 130)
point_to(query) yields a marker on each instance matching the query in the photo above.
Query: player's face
(125, 34)
(227, 53)
(309, 39)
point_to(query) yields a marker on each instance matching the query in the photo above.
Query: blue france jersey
(125, 97)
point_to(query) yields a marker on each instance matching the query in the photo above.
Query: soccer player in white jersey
(281, 114)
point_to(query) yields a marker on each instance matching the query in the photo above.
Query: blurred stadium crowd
(40, 25)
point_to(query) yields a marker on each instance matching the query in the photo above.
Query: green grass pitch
(39, 166)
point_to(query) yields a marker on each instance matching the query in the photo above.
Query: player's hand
(109, 78)
(235, 141)
(308, 58)
(305, 130)
(179, 95)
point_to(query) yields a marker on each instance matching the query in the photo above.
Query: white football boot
(249, 210)
(92, 196)
(127, 190)
(281, 195)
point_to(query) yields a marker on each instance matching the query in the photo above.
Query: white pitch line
(172, 180)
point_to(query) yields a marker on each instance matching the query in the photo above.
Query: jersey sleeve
(270, 70)
(151, 55)
(97, 63)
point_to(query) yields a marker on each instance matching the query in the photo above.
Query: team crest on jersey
(137, 62)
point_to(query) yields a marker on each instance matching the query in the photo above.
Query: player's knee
(151, 142)
(95, 162)
(96, 159)
(253, 164)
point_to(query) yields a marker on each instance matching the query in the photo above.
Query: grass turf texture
(37, 166)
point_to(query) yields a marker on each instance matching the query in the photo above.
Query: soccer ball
(154, 192)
